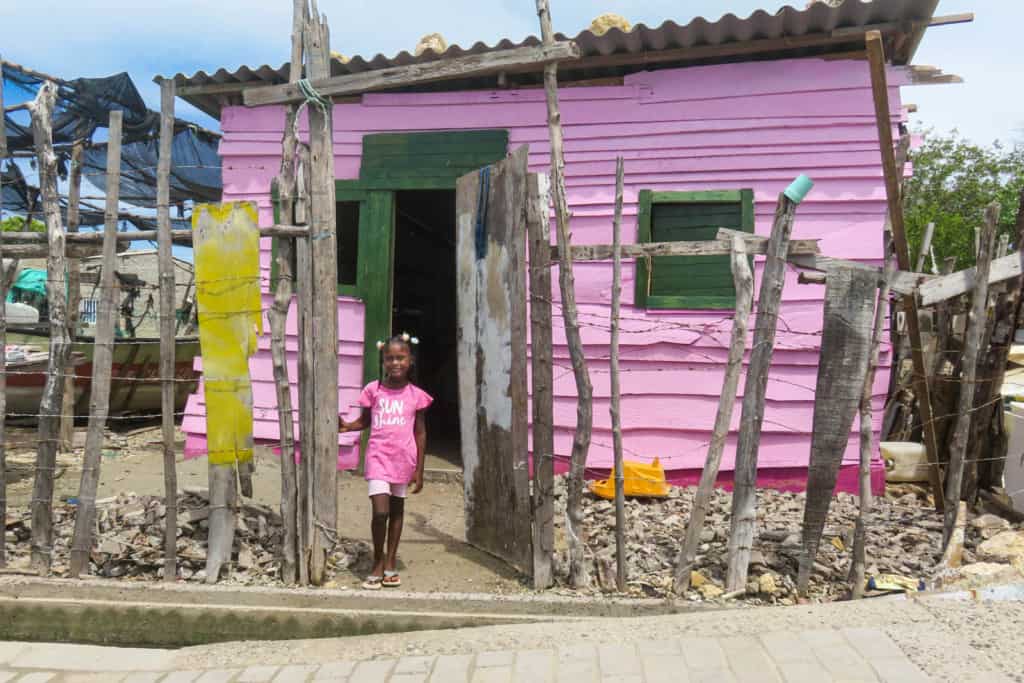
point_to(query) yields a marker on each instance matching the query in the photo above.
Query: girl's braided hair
(406, 340)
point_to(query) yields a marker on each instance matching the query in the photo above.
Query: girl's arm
(420, 431)
(357, 425)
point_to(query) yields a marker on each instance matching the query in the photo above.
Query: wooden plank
(578, 575)
(620, 496)
(902, 282)
(744, 499)
(744, 283)
(60, 344)
(514, 60)
(67, 412)
(99, 399)
(307, 404)
(324, 266)
(845, 348)
(956, 284)
(95, 239)
(165, 269)
(972, 347)
(717, 247)
(542, 375)
(880, 95)
(491, 272)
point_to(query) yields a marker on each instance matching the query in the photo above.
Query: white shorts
(386, 488)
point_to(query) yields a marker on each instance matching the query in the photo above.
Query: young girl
(392, 408)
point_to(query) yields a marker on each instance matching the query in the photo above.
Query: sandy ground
(433, 555)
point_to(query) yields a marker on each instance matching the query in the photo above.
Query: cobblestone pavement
(900, 641)
(856, 654)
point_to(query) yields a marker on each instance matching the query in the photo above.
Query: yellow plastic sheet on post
(226, 243)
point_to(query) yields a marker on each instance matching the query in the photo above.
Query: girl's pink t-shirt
(391, 452)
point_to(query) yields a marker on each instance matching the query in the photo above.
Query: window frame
(647, 199)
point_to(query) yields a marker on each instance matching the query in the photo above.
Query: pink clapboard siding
(751, 125)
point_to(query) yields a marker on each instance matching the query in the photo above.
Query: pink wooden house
(713, 119)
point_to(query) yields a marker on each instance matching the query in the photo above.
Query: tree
(954, 180)
(17, 224)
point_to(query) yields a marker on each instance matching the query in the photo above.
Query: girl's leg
(396, 517)
(379, 529)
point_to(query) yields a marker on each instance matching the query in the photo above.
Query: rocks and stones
(989, 525)
(129, 540)
(904, 538)
(1006, 547)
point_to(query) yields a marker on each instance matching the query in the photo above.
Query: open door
(491, 278)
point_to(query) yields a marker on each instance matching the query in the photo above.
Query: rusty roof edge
(760, 24)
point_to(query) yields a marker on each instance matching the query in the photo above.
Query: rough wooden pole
(743, 280)
(866, 438)
(926, 246)
(578, 574)
(972, 343)
(60, 347)
(67, 417)
(323, 259)
(278, 316)
(620, 494)
(744, 497)
(99, 400)
(880, 92)
(165, 265)
(307, 404)
(3, 340)
(538, 227)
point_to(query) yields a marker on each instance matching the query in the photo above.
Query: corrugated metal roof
(789, 32)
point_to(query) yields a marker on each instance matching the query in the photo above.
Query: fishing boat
(134, 377)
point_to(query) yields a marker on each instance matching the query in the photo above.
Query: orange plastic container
(639, 480)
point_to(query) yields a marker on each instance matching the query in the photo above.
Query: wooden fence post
(165, 266)
(578, 574)
(880, 92)
(744, 497)
(866, 437)
(842, 366)
(972, 341)
(323, 260)
(99, 400)
(3, 340)
(67, 417)
(539, 231)
(50, 405)
(307, 404)
(620, 494)
(743, 280)
(278, 316)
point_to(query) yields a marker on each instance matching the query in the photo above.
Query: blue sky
(149, 37)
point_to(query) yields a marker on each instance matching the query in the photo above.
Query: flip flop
(373, 583)
(391, 580)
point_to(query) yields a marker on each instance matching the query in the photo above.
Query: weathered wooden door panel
(491, 271)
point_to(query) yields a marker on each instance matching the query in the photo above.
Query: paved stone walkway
(816, 656)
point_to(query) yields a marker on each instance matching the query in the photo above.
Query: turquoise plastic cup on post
(799, 188)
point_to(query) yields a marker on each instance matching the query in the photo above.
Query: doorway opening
(424, 306)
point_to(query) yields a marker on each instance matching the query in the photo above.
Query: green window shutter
(689, 282)
(410, 161)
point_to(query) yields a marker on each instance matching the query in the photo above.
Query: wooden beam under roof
(487, 63)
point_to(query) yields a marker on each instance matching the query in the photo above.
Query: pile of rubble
(130, 539)
(904, 539)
